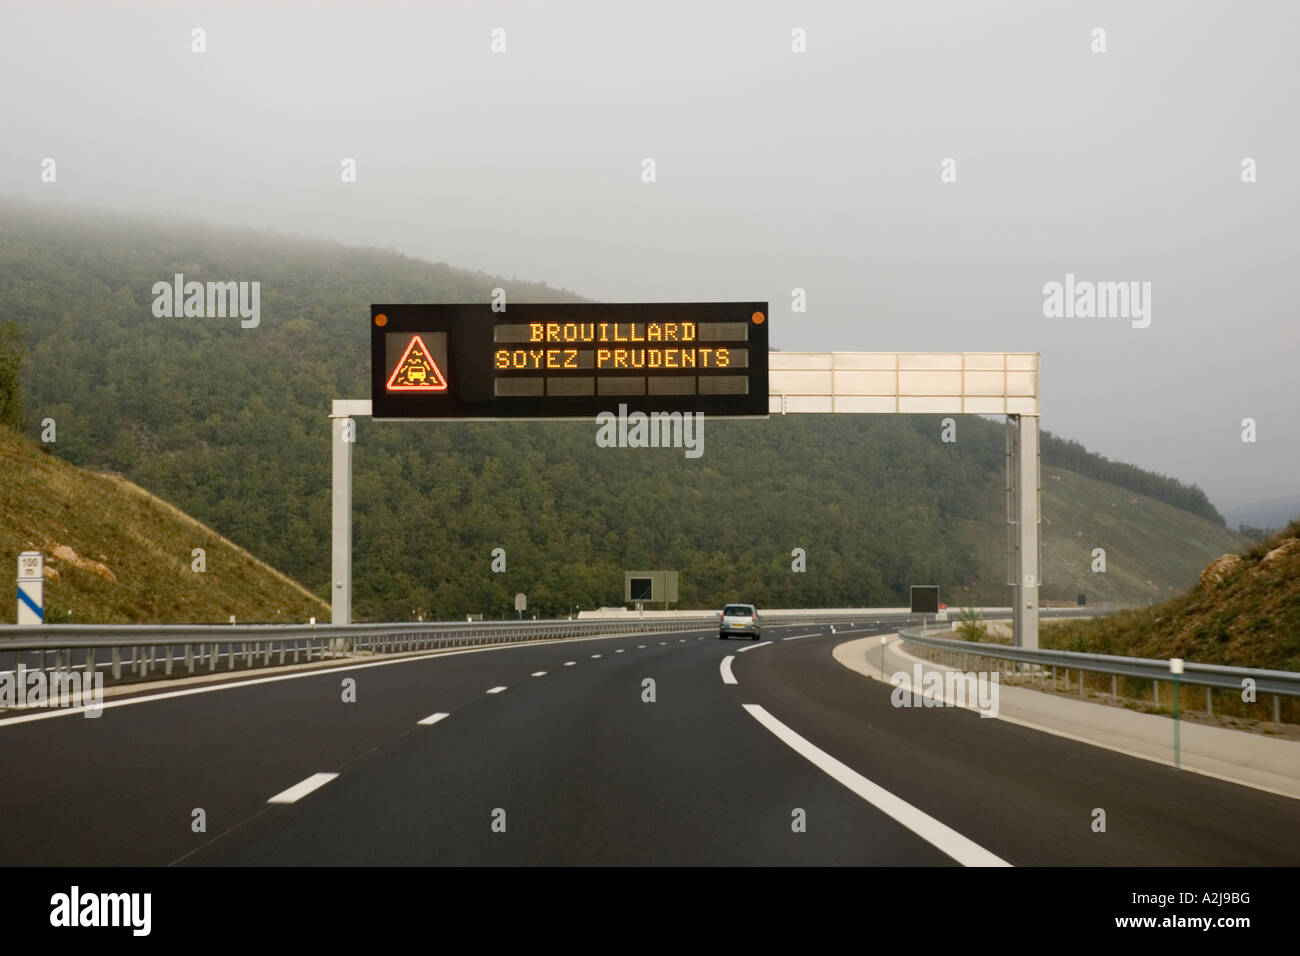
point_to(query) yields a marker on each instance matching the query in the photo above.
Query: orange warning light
(416, 371)
(758, 318)
(381, 320)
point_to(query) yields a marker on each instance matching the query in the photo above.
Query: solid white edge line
(432, 719)
(727, 677)
(496, 690)
(301, 789)
(1150, 757)
(939, 835)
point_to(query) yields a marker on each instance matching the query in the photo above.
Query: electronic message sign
(568, 360)
(925, 599)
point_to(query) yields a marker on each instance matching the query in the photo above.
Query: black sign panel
(925, 599)
(568, 360)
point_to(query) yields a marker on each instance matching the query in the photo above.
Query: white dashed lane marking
(432, 719)
(300, 790)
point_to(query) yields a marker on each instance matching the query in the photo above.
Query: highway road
(554, 744)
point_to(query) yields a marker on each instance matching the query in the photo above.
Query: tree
(12, 352)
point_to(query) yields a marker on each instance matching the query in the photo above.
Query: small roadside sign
(31, 588)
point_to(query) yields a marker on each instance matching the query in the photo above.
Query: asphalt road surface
(550, 754)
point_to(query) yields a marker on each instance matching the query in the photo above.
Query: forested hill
(229, 424)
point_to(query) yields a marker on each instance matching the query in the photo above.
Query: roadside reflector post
(31, 589)
(1176, 668)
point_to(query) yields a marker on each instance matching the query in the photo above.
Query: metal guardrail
(142, 651)
(153, 650)
(203, 647)
(1285, 683)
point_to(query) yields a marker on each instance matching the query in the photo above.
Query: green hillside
(230, 425)
(116, 554)
(1152, 549)
(1244, 611)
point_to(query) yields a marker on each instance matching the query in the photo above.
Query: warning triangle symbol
(416, 371)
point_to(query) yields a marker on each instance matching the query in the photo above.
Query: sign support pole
(1023, 464)
(343, 436)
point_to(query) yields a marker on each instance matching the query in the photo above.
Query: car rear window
(737, 610)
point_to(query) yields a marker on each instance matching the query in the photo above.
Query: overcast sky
(819, 170)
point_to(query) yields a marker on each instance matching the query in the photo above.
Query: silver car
(739, 619)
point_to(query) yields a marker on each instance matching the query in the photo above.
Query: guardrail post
(167, 667)
(90, 664)
(1176, 668)
(1209, 701)
(1113, 689)
(1155, 692)
(1277, 709)
(189, 658)
(117, 663)
(212, 658)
